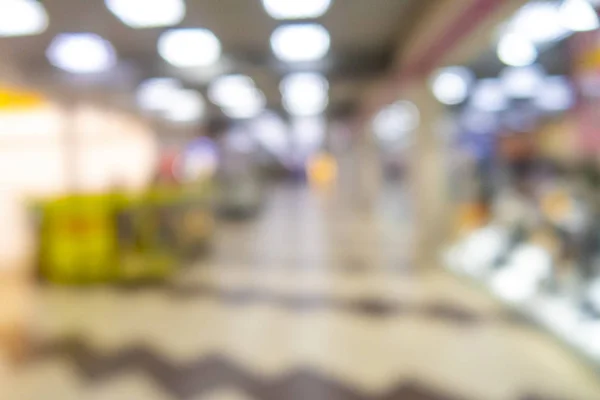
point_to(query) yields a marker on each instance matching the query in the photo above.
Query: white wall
(108, 149)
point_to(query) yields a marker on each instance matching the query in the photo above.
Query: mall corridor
(310, 301)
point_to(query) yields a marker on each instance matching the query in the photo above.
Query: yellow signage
(12, 99)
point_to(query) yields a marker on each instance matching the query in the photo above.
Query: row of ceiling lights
(453, 85)
(542, 22)
(486, 98)
(534, 25)
(237, 95)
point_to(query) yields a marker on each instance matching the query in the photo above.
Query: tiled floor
(310, 301)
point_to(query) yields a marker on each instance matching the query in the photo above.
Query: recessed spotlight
(81, 53)
(516, 51)
(22, 18)
(226, 90)
(185, 106)
(296, 9)
(305, 94)
(252, 107)
(300, 43)
(186, 48)
(451, 85)
(156, 94)
(579, 16)
(237, 95)
(547, 26)
(147, 13)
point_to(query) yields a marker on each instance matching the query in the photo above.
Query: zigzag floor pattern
(207, 374)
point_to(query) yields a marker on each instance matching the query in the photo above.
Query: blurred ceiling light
(155, 94)
(579, 16)
(147, 13)
(185, 106)
(225, 90)
(296, 9)
(248, 106)
(298, 43)
(556, 94)
(272, 133)
(81, 53)
(189, 47)
(516, 51)
(396, 120)
(304, 94)
(237, 95)
(451, 85)
(488, 95)
(522, 82)
(538, 21)
(22, 18)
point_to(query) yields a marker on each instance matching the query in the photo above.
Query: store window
(528, 141)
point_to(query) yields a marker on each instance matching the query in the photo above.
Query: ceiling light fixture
(450, 85)
(522, 82)
(185, 106)
(156, 94)
(238, 96)
(249, 110)
(147, 13)
(300, 43)
(579, 16)
(489, 95)
(81, 53)
(296, 9)
(187, 48)
(516, 51)
(225, 90)
(249, 106)
(22, 18)
(305, 94)
(547, 26)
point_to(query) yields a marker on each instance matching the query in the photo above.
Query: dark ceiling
(364, 35)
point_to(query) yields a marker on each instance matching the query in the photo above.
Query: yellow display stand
(115, 237)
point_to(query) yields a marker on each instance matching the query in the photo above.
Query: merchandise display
(120, 238)
(535, 243)
(539, 247)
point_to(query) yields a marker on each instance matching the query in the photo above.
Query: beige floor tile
(298, 249)
(128, 386)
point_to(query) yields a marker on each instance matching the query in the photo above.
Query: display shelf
(557, 314)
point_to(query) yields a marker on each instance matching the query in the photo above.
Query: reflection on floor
(308, 302)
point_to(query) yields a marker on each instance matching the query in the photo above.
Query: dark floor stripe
(194, 379)
(309, 302)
